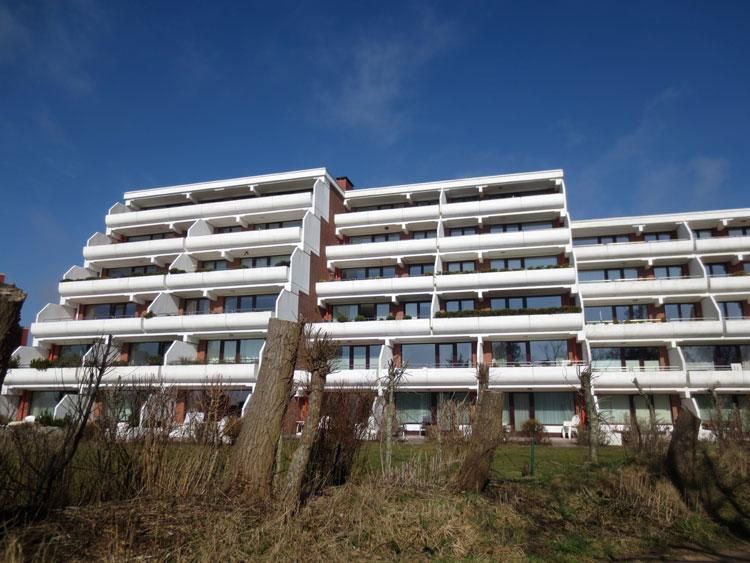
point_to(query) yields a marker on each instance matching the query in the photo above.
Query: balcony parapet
(625, 250)
(561, 323)
(502, 241)
(654, 330)
(506, 279)
(372, 287)
(643, 287)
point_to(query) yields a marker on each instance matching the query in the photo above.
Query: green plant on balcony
(360, 318)
(284, 263)
(154, 360)
(176, 271)
(507, 312)
(148, 315)
(407, 317)
(342, 319)
(13, 363)
(390, 318)
(41, 364)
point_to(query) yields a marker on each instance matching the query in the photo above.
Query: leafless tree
(390, 382)
(585, 376)
(11, 301)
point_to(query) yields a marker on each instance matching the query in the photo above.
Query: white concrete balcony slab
(626, 250)
(723, 245)
(643, 288)
(560, 377)
(186, 214)
(376, 329)
(352, 378)
(665, 379)
(184, 376)
(193, 281)
(738, 327)
(401, 215)
(146, 248)
(503, 241)
(552, 277)
(729, 284)
(398, 248)
(464, 378)
(722, 379)
(141, 326)
(654, 330)
(561, 323)
(487, 207)
(371, 287)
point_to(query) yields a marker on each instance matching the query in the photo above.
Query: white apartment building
(439, 276)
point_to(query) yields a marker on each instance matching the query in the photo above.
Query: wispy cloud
(367, 85)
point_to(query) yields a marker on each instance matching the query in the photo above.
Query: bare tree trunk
(11, 301)
(255, 452)
(682, 455)
(392, 380)
(592, 417)
(486, 434)
(298, 465)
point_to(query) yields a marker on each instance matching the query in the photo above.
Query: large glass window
(717, 269)
(153, 236)
(444, 354)
(355, 311)
(605, 239)
(665, 272)
(703, 233)
(431, 233)
(652, 237)
(454, 305)
(213, 265)
(129, 271)
(278, 225)
(463, 266)
(531, 302)
(598, 314)
(619, 313)
(554, 408)
(199, 306)
(265, 261)
(425, 268)
(71, 354)
(418, 309)
(250, 303)
(537, 352)
(110, 310)
(716, 357)
(529, 263)
(661, 406)
(363, 356)
(148, 353)
(414, 408)
(738, 231)
(383, 237)
(245, 351)
(462, 231)
(679, 311)
(632, 358)
(731, 309)
(372, 272)
(608, 274)
(615, 409)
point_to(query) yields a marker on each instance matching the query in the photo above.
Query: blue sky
(644, 104)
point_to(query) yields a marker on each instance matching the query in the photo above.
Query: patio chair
(570, 426)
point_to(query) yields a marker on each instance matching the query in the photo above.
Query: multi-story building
(438, 276)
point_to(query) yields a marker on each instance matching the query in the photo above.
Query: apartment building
(437, 276)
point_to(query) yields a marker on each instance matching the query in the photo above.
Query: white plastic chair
(570, 426)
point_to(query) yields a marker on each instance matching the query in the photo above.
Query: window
(265, 261)
(465, 266)
(716, 357)
(523, 263)
(607, 239)
(132, 271)
(717, 269)
(422, 269)
(738, 231)
(418, 309)
(453, 305)
(679, 311)
(250, 303)
(445, 354)
(110, 310)
(213, 265)
(538, 352)
(532, 302)
(358, 357)
(505, 228)
(232, 229)
(246, 351)
(354, 311)
(652, 237)
(462, 231)
(71, 354)
(703, 233)
(198, 306)
(462, 198)
(148, 353)
(362, 239)
(731, 309)
(373, 272)
(665, 272)
(636, 358)
(746, 266)
(278, 225)
(598, 314)
(517, 227)
(431, 233)
(608, 274)
(154, 236)
(618, 313)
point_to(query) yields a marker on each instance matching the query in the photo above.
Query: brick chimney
(344, 183)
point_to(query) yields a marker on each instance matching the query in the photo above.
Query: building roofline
(458, 183)
(662, 218)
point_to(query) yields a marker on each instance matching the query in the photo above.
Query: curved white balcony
(643, 288)
(381, 249)
(387, 216)
(174, 246)
(623, 250)
(562, 323)
(112, 286)
(348, 378)
(729, 284)
(502, 241)
(184, 376)
(738, 327)
(722, 245)
(722, 379)
(376, 329)
(542, 376)
(503, 280)
(485, 207)
(189, 213)
(139, 326)
(651, 380)
(385, 286)
(653, 330)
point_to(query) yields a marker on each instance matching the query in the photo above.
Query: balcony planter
(506, 312)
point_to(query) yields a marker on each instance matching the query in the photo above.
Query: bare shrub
(533, 430)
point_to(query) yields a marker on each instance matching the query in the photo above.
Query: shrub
(507, 312)
(532, 429)
(342, 318)
(41, 364)
(360, 318)
(13, 363)
(176, 271)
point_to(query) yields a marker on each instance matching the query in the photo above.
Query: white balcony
(388, 249)
(560, 377)
(654, 330)
(627, 250)
(215, 324)
(439, 378)
(398, 216)
(506, 280)
(663, 379)
(505, 241)
(486, 207)
(193, 244)
(739, 284)
(376, 329)
(738, 327)
(722, 379)
(186, 214)
(560, 324)
(330, 290)
(643, 288)
(723, 245)
(185, 376)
